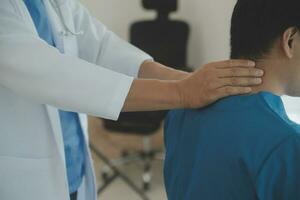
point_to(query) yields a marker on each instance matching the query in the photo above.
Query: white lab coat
(93, 76)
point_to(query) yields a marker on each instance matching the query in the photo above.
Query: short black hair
(257, 24)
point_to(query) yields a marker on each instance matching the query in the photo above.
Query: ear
(288, 41)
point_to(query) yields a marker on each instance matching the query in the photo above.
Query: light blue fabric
(74, 143)
(242, 147)
(72, 131)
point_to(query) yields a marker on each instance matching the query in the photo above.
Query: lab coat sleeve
(32, 69)
(279, 176)
(99, 45)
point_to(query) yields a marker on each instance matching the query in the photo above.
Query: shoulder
(282, 155)
(279, 174)
(174, 120)
(178, 115)
(173, 115)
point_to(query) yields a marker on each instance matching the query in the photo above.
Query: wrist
(179, 90)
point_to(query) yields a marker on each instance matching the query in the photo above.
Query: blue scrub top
(240, 148)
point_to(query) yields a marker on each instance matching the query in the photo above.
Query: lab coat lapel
(56, 128)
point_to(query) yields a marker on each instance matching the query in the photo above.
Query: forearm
(155, 70)
(152, 95)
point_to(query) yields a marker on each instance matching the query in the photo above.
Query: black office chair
(166, 40)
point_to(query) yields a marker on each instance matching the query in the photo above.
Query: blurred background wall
(209, 21)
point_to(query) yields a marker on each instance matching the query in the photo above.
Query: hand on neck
(273, 80)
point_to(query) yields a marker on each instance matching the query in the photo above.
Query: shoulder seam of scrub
(293, 133)
(276, 115)
(275, 148)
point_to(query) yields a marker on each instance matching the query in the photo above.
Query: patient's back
(242, 147)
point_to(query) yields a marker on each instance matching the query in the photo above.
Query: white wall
(209, 20)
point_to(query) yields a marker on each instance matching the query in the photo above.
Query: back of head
(257, 24)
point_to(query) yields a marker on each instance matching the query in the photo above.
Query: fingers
(229, 91)
(235, 63)
(240, 72)
(235, 81)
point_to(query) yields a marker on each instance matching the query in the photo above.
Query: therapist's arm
(100, 46)
(154, 70)
(212, 82)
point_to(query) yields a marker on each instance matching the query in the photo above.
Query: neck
(274, 80)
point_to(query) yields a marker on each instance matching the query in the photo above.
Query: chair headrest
(160, 5)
